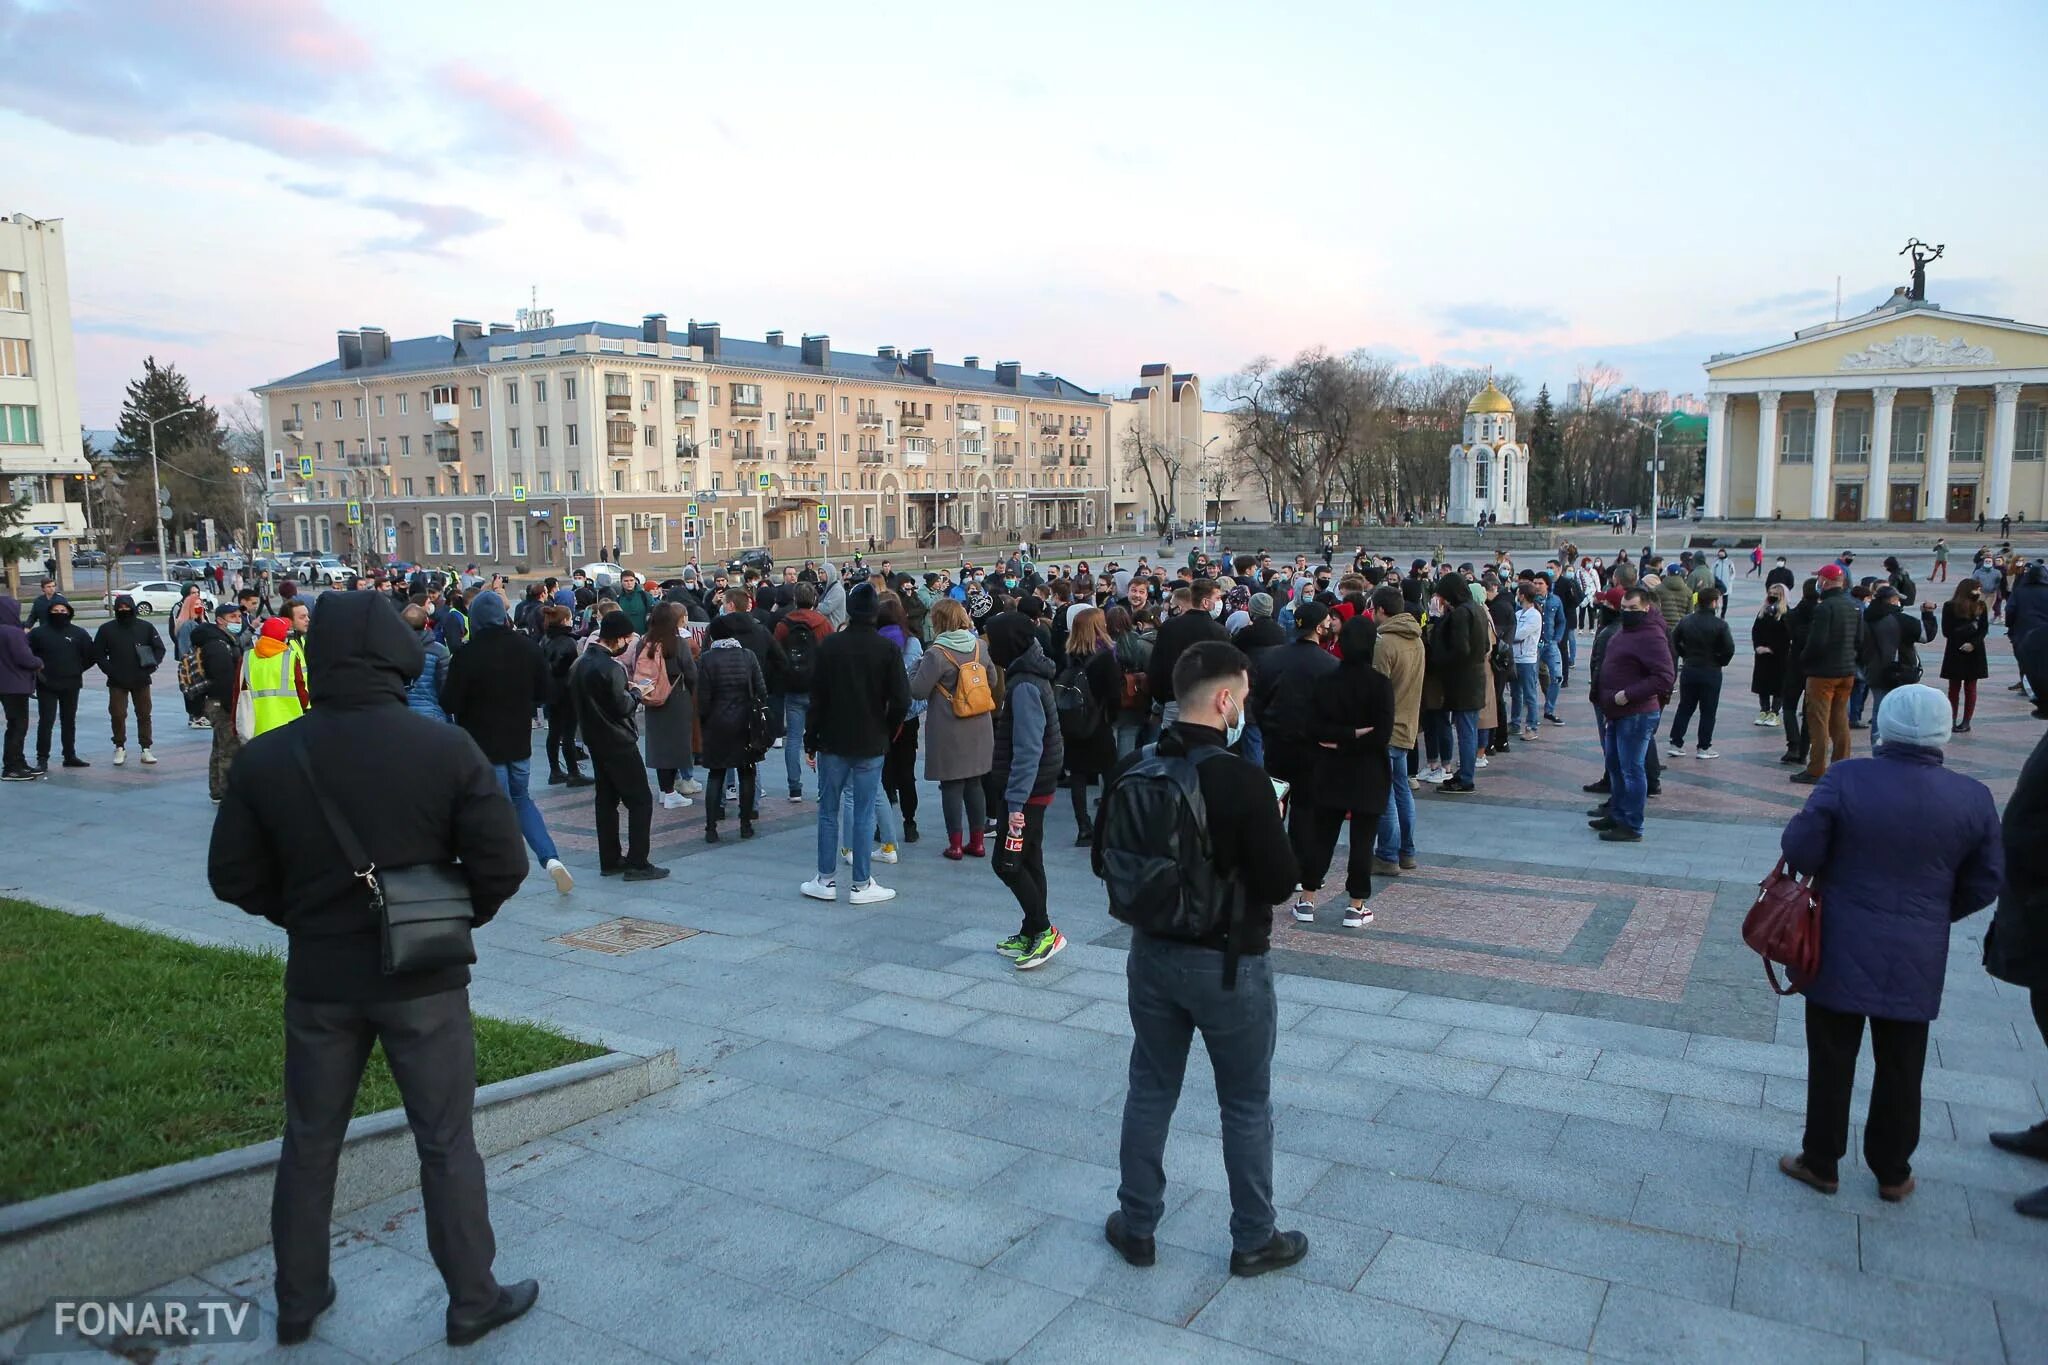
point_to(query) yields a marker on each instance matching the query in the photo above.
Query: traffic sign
(570, 525)
(266, 535)
(824, 515)
(391, 540)
(44, 528)
(519, 492)
(762, 482)
(355, 512)
(824, 538)
(691, 510)
(305, 466)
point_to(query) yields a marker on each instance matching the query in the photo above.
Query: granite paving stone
(958, 1224)
(1936, 1320)
(1550, 1305)
(1618, 1251)
(1418, 1208)
(1073, 1258)
(1094, 1334)
(1652, 1329)
(971, 1312)
(1539, 1177)
(1312, 1323)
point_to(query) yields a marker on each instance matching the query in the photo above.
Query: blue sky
(1081, 187)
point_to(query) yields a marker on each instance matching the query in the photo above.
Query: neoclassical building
(1905, 413)
(1489, 468)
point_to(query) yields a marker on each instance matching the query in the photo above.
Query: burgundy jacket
(1637, 662)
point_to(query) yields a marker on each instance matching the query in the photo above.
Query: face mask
(1215, 608)
(1234, 730)
(1631, 615)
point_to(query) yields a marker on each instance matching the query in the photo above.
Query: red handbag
(1784, 927)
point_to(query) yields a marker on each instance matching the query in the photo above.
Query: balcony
(873, 457)
(685, 450)
(1079, 462)
(293, 427)
(747, 454)
(745, 412)
(1005, 428)
(912, 421)
(970, 456)
(803, 416)
(970, 426)
(870, 419)
(799, 455)
(447, 449)
(685, 408)
(915, 459)
(365, 460)
(1078, 429)
(445, 414)
(1006, 457)
(1048, 426)
(618, 402)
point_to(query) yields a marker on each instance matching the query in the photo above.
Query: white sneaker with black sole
(1357, 916)
(1305, 912)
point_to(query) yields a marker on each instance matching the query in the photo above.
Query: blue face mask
(1234, 731)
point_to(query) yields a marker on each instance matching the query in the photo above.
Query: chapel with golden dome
(1489, 468)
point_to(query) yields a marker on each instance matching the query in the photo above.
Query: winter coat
(749, 631)
(1029, 751)
(1457, 657)
(18, 663)
(954, 747)
(1887, 901)
(1799, 625)
(605, 707)
(558, 649)
(1399, 656)
(1637, 662)
(671, 728)
(1888, 655)
(1096, 754)
(1134, 653)
(859, 695)
(1959, 630)
(1353, 776)
(1490, 717)
(636, 604)
(1834, 639)
(2016, 948)
(413, 790)
(220, 659)
(1280, 701)
(127, 651)
(729, 680)
(2027, 608)
(1767, 670)
(423, 693)
(1703, 640)
(66, 652)
(1674, 597)
(1255, 640)
(1175, 637)
(494, 685)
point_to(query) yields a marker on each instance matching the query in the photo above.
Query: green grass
(126, 1050)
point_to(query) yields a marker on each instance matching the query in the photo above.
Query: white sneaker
(1675, 750)
(870, 892)
(1305, 912)
(689, 786)
(821, 889)
(1435, 775)
(778, 744)
(148, 758)
(1776, 719)
(1704, 753)
(1762, 718)
(886, 854)
(120, 757)
(1482, 762)
(674, 801)
(564, 883)
(1357, 916)
(796, 798)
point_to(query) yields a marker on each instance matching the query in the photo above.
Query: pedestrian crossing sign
(355, 512)
(691, 510)
(266, 535)
(761, 482)
(570, 525)
(519, 492)
(824, 515)
(305, 466)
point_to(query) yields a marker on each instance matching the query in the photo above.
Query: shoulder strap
(337, 824)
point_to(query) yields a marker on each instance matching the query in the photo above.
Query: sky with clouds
(1081, 187)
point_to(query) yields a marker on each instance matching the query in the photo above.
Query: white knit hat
(1915, 714)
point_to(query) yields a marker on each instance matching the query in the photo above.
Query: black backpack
(1154, 857)
(1074, 699)
(800, 654)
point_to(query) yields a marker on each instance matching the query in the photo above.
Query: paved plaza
(1532, 1115)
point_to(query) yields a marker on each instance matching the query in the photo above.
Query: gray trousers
(1175, 989)
(431, 1047)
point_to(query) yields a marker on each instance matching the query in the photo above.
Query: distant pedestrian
(128, 651)
(67, 653)
(606, 708)
(18, 668)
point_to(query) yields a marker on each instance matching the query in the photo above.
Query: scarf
(959, 641)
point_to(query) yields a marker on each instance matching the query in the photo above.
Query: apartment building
(1166, 452)
(40, 454)
(551, 444)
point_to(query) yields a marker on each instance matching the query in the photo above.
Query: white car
(156, 597)
(321, 570)
(602, 574)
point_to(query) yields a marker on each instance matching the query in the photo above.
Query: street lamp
(1656, 468)
(163, 534)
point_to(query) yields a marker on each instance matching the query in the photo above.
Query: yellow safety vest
(273, 689)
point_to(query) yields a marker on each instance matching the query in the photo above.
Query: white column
(1936, 506)
(2004, 433)
(1877, 499)
(1821, 506)
(1766, 452)
(1717, 455)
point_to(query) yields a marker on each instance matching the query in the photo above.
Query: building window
(575, 481)
(1482, 474)
(19, 425)
(405, 445)
(647, 437)
(512, 393)
(13, 296)
(540, 390)
(326, 527)
(1795, 439)
(15, 362)
(618, 481)
(476, 398)
(1909, 434)
(404, 404)
(540, 437)
(406, 484)
(433, 485)
(513, 435)
(458, 536)
(547, 481)
(647, 390)
(476, 443)
(383, 448)
(568, 388)
(380, 405)
(359, 405)
(622, 535)
(1966, 436)
(337, 409)
(657, 534)
(685, 392)
(1852, 435)
(842, 443)
(433, 525)
(302, 533)
(515, 536)
(715, 435)
(2030, 431)
(714, 395)
(483, 535)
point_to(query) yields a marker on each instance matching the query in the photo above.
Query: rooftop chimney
(376, 346)
(818, 351)
(1007, 372)
(654, 327)
(465, 330)
(705, 334)
(972, 362)
(351, 347)
(775, 338)
(886, 353)
(921, 363)
(499, 329)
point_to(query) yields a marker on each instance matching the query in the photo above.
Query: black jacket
(1353, 776)
(414, 791)
(1257, 639)
(2016, 948)
(1456, 648)
(119, 647)
(558, 652)
(1175, 637)
(728, 681)
(1246, 840)
(1030, 672)
(1834, 639)
(491, 689)
(605, 706)
(1890, 637)
(1767, 672)
(220, 659)
(746, 627)
(66, 652)
(859, 693)
(1961, 629)
(1282, 691)
(1701, 639)
(1096, 754)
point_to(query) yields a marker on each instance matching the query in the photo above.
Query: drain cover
(618, 936)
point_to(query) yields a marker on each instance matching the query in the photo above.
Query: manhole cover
(618, 936)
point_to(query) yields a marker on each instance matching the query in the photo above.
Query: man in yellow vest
(273, 689)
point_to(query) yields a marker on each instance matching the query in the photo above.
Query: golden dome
(1490, 399)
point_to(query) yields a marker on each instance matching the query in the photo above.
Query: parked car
(759, 560)
(322, 570)
(602, 573)
(89, 559)
(153, 596)
(1581, 516)
(190, 570)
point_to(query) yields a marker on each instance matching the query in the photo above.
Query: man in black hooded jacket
(412, 791)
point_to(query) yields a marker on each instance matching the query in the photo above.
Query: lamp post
(163, 534)
(1656, 468)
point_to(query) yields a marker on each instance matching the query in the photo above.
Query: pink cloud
(512, 117)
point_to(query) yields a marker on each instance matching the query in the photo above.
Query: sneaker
(821, 889)
(1408, 863)
(18, 775)
(1304, 912)
(1434, 775)
(1047, 943)
(148, 759)
(1016, 945)
(645, 872)
(1480, 762)
(1762, 718)
(1555, 720)
(120, 757)
(1775, 718)
(1456, 788)
(74, 761)
(796, 795)
(1385, 867)
(1675, 750)
(689, 787)
(1621, 834)
(1357, 916)
(1705, 753)
(674, 800)
(870, 892)
(564, 883)
(887, 854)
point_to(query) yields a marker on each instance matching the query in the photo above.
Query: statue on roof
(1922, 254)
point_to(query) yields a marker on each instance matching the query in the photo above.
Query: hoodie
(1637, 663)
(128, 648)
(413, 791)
(65, 649)
(18, 663)
(1029, 749)
(495, 683)
(1398, 654)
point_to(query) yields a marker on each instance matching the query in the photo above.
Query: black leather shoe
(74, 761)
(513, 1301)
(1605, 822)
(610, 871)
(1598, 811)
(645, 872)
(2026, 1141)
(2033, 1205)
(1286, 1249)
(1791, 758)
(293, 1331)
(557, 778)
(1620, 834)
(579, 780)
(1602, 786)
(1139, 1251)
(1804, 779)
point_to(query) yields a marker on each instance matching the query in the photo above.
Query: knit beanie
(862, 604)
(1262, 604)
(1915, 714)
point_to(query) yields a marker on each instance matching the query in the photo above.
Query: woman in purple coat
(1886, 906)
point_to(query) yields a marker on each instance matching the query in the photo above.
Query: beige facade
(1906, 413)
(40, 451)
(1165, 449)
(674, 446)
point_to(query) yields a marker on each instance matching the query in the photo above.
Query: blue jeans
(1858, 696)
(1396, 838)
(796, 711)
(862, 779)
(1555, 657)
(1525, 693)
(1625, 742)
(1175, 989)
(1467, 723)
(512, 781)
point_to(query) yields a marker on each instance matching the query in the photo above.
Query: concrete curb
(134, 1232)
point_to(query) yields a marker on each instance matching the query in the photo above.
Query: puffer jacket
(1674, 597)
(1834, 637)
(423, 694)
(1887, 903)
(729, 680)
(1399, 656)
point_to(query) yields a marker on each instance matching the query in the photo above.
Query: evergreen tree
(159, 391)
(1546, 457)
(192, 455)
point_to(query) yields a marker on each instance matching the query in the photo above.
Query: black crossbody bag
(424, 914)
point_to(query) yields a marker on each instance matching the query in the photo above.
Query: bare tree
(1156, 462)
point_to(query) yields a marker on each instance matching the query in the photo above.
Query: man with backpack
(1189, 846)
(208, 671)
(798, 634)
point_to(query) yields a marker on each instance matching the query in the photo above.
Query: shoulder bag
(1783, 926)
(423, 912)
